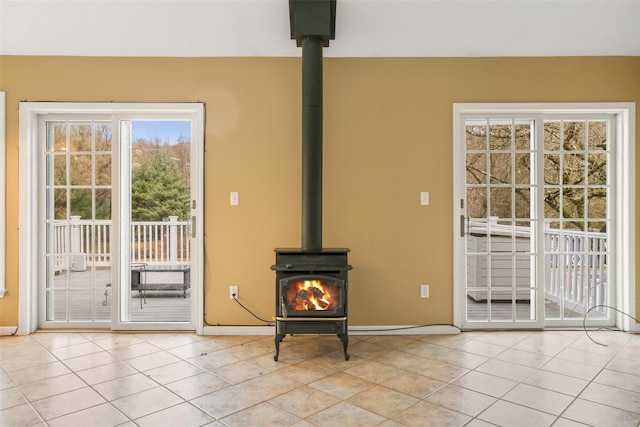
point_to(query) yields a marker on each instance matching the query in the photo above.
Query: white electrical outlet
(234, 199)
(424, 198)
(424, 291)
(233, 290)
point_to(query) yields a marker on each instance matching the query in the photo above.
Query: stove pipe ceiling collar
(312, 18)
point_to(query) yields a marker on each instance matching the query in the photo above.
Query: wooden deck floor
(478, 311)
(81, 303)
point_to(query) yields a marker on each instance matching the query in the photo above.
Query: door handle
(193, 227)
(462, 225)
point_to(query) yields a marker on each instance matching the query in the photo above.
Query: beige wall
(388, 136)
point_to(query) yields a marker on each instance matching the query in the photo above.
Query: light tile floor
(558, 378)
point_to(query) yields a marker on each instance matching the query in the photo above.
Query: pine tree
(158, 191)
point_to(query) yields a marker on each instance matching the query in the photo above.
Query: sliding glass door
(118, 210)
(537, 219)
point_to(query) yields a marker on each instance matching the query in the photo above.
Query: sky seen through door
(169, 131)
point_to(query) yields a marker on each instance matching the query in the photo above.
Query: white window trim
(625, 176)
(29, 114)
(3, 160)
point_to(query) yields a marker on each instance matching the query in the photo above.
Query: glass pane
(82, 305)
(574, 136)
(81, 169)
(551, 136)
(50, 241)
(81, 203)
(103, 203)
(59, 266)
(57, 138)
(523, 202)
(103, 169)
(102, 303)
(524, 307)
(476, 168)
(49, 195)
(573, 169)
(523, 243)
(103, 134)
(500, 171)
(502, 306)
(500, 202)
(477, 310)
(552, 169)
(56, 305)
(573, 202)
(523, 227)
(101, 243)
(80, 137)
(598, 227)
(597, 135)
(500, 136)
(523, 168)
(60, 170)
(502, 274)
(551, 310)
(476, 135)
(552, 202)
(523, 136)
(525, 270)
(598, 279)
(60, 209)
(597, 169)
(477, 291)
(477, 202)
(573, 225)
(552, 226)
(502, 241)
(597, 203)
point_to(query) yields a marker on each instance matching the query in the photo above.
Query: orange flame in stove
(307, 295)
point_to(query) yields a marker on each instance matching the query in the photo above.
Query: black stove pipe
(312, 143)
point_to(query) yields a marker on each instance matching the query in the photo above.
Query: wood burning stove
(311, 282)
(311, 293)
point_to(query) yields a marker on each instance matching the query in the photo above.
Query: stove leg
(345, 342)
(279, 337)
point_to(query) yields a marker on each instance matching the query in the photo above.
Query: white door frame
(625, 183)
(29, 153)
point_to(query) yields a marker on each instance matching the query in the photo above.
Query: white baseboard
(8, 330)
(353, 330)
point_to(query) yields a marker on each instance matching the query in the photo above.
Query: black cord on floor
(584, 320)
(401, 328)
(251, 312)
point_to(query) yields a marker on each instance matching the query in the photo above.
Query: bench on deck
(145, 277)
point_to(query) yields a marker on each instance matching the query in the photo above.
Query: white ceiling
(364, 28)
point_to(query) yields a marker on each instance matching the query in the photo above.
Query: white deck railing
(575, 263)
(576, 269)
(78, 243)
